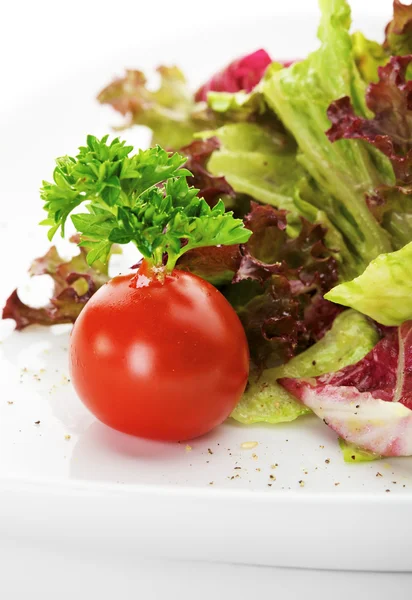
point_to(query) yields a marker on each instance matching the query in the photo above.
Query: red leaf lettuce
(211, 188)
(390, 132)
(398, 32)
(74, 281)
(275, 283)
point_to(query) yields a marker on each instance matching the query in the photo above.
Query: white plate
(215, 501)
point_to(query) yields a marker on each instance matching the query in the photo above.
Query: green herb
(142, 198)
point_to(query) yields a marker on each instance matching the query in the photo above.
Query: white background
(42, 40)
(43, 43)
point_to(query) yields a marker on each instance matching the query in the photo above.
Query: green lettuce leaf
(398, 39)
(237, 106)
(258, 163)
(383, 291)
(369, 56)
(352, 453)
(232, 107)
(167, 111)
(241, 106)
(351, 337)
(263, 165)
(346, 171)
(388, 131)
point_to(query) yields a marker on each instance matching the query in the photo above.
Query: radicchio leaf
(369, 403)
(74, 281)
(319, 316)
(241, 74)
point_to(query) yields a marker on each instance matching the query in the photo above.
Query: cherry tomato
(163, 360)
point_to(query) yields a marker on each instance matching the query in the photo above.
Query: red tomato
(167, 361)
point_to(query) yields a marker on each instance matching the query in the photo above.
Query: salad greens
(300, 96)
(313, 159)
(74, 283)
(369, 56)
(368, 403)
(167, 111)
(264, 165)
(352, 453)
(398, 31)
(241, 74)
(258, 163)
(387, 131)
(383, 291)
(351, 337)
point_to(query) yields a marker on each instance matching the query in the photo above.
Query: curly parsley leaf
(143, 198)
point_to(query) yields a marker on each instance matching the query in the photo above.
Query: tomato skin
(167, 360)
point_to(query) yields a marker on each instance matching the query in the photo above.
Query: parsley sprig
(142, 198)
